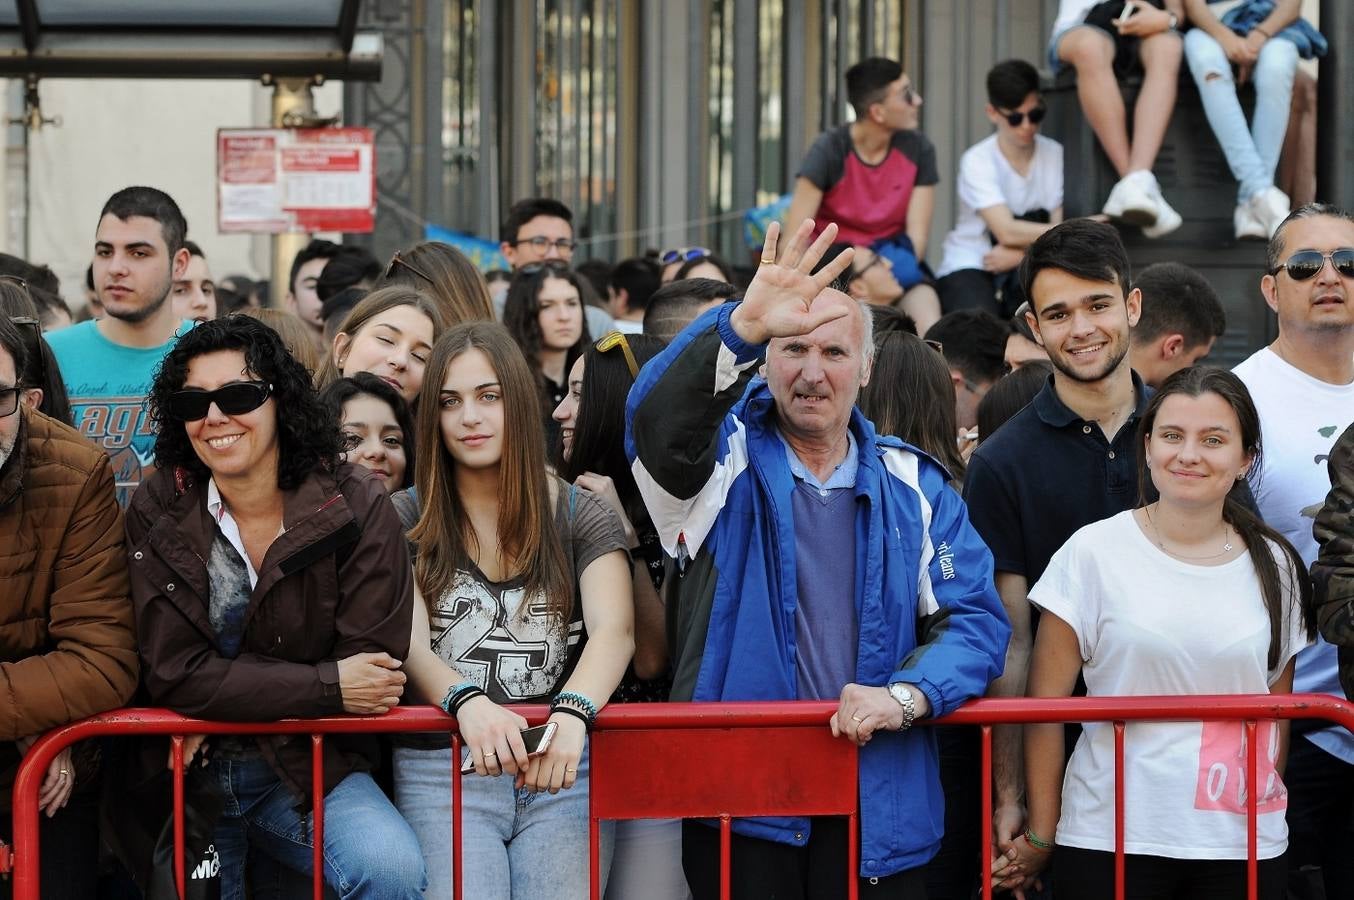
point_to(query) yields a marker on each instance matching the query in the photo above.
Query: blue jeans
(515, 843)
(370, 853)
(1252, 152)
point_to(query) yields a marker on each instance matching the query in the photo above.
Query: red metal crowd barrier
(701, 760)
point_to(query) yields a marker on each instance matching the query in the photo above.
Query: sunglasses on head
(683, 254)
(1016, 119)
(235, 399)
(613, 339)
(1307, 263)
(398, 260)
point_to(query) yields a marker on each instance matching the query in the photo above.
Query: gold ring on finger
(64, 772)
(768, 260)
(571, 771)
(858, 718)
(489, 753)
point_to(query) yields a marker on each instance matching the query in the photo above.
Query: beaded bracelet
(576, 713)
(576, 699)
(1036, 842)
(449, 699)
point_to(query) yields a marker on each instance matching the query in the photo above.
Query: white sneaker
(1269, 208)
(1167, 219)
(1245, 224)
(1131, 201)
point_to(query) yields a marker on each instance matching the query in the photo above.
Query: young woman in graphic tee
(1189, 595)
(527, 591)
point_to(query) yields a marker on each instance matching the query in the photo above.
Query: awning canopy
(186, 39)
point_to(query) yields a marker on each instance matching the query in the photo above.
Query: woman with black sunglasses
(272, 581)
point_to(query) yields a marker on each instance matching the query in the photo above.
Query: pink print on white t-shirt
(1222, 769)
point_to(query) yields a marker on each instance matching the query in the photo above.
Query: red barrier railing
(755, 744)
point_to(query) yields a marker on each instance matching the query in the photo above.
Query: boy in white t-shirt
(1010, 188)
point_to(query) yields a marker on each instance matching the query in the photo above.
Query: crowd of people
(833, 476)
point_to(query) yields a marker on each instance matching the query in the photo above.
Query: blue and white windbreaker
(701, 438)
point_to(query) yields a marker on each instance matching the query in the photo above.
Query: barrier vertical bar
(853, 857)
(456, 777)
(725, 856)
(986, 876)
(1252, 813)
(1119, 811)
(317, 788)
(176, 757)
(594, 864)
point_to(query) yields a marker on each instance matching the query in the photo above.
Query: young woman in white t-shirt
(528, 600)
(1192, 594)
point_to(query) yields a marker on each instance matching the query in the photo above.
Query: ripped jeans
(1252, 152)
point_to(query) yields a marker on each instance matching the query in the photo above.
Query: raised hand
(779, 302)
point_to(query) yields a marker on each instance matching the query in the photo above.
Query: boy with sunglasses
(1010, 188)
(1303, 387)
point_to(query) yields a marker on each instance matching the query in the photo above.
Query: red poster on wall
(272, 180)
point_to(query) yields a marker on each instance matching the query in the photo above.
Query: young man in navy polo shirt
(1079, 430)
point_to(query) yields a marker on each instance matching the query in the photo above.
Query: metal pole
(1335, 99)
(292, 101)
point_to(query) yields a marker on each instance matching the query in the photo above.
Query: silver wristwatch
(898, 691)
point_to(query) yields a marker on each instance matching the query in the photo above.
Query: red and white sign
(271, 180)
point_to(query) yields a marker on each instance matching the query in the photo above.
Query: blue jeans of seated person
(1252, 151)
(370, 853)
(514, 843)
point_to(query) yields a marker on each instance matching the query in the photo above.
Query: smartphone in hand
(1129, 9)
(537, 741)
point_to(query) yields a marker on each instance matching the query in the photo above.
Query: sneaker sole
(1142, 218)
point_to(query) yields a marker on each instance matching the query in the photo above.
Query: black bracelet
(460, 699)
(576, 713)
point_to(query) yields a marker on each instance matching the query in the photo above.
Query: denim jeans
(370, 853)
(1252, 153)
(514, 843)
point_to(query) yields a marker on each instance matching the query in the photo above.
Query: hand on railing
(557, 768)
(493, 735)
(59, 782)
(371, 683)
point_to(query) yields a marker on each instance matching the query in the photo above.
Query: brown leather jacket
(336, 582)
(67, 648)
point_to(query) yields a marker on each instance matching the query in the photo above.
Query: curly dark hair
(307, 435)
(365, 383)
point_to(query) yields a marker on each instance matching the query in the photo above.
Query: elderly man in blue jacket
(821, 561)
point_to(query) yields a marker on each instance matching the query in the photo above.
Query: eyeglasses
(1307, 263)
(683, 254)
(613, 339)
(9, 401)
(234, 399)
(868, 266)
(32, 329)
(936, 346)
(1016, 119)
(401, 261)
(14, 279)
(541, 243)
(535, 268)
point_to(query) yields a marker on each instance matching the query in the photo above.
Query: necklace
(1226, 544)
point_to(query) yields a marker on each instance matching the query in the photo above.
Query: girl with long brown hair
(1190, 594)
(528, 600)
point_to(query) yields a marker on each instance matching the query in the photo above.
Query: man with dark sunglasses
(109, 363)
(1303, 387)
(1010, 189)
(875, 177)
